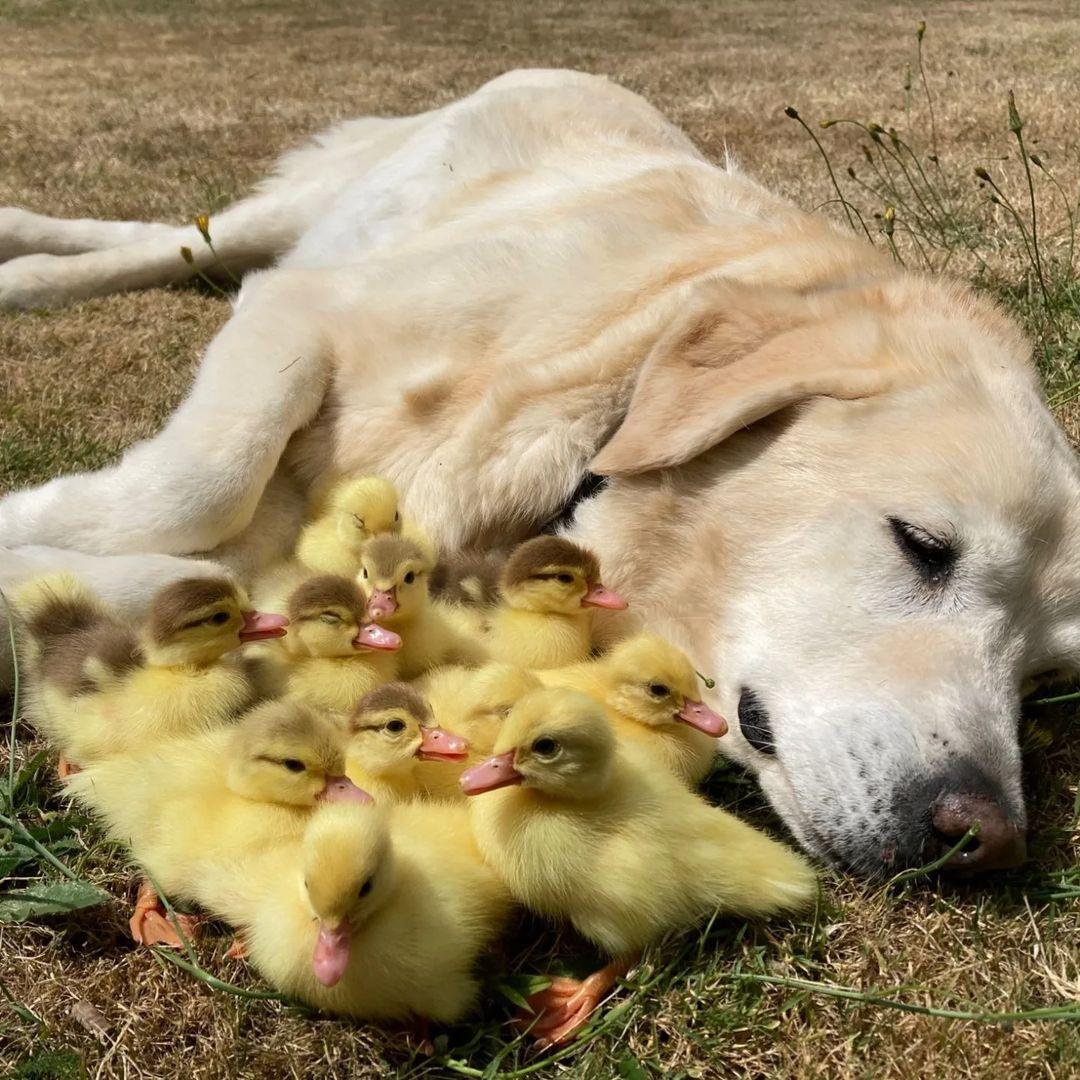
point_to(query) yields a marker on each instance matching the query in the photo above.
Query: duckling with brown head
(390, 734)
(100, 686)
(394, 573)
(549, 588)
(585, 828)
(334, 654)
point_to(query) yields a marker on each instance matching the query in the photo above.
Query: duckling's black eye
(294, 764)
(330, 618)
(359, 521)
(545, 746)
(658, 689)
(219, 618)
(364, 573)
(365, 888)
(566, 579)
(397, 516)
(395, 726)
(410, 577)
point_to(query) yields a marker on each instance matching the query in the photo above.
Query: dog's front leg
(197, 483)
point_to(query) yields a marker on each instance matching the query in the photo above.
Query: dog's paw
(16, 225)
(32, 281)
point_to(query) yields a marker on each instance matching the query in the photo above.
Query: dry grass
(160, 110)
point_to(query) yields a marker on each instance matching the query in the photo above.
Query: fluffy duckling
(215, 795)
(650, 689)
(333, 655)
(469, 579)
(101, 687)
(353, 512)
(377, 913)
(390, 734)
(473, 703)
(394, 577)
(549, 588)
(588, 829)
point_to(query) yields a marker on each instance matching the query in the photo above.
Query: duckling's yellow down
(604, 837)
(407, 882)
(214, 795)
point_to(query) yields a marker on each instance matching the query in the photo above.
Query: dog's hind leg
(25, 233)
(51, 261)
(198, 482)
(250, 234)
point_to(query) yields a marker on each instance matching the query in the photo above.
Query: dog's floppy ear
(739, 355)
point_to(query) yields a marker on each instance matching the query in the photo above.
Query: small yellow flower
(185, 254)
(202, 223)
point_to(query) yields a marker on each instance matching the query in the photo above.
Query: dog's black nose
(999, 843)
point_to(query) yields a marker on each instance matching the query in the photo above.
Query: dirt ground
(157, 109)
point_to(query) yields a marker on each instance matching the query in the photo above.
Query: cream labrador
(835, 483)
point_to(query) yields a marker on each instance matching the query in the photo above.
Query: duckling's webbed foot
(65, 768)
(150, 923)
(238, 950)
(566, 1005)
(418, 1036)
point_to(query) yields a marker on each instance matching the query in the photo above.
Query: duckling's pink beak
(259, 626)
(440, 745)
(382, 602)
(601, 596)
(332, 952)
(374, 636)
(342, 789)
(496, 772)
(698, 715)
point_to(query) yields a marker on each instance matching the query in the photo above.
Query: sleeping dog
(834, 483)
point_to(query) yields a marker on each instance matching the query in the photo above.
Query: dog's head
(857, 513)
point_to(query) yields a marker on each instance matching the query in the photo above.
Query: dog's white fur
(482, 301)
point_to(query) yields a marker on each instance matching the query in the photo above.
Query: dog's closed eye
(932, 556)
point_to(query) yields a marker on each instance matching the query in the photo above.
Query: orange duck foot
(419, 1037)
(566, 1005)
(151, 925)
(238, 950)
(65, 768)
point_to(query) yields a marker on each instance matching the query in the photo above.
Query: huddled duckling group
(366, 785)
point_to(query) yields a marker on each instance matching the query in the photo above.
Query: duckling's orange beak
(331, 956)
(496, 772)
(342, 789)
(440, 745)
(698, 715)
(601, 596)
(259, 626)
(374, 636)
(382, 602)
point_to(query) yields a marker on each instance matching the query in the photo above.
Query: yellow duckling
(472, 703)
(333, 655)
(376, 913)
(584, 828)
(216, 795)
(549, 587)
(651, 692)
(390, 733)
(100, 687)
(394, 576)
(469, 579)
(353, 512)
